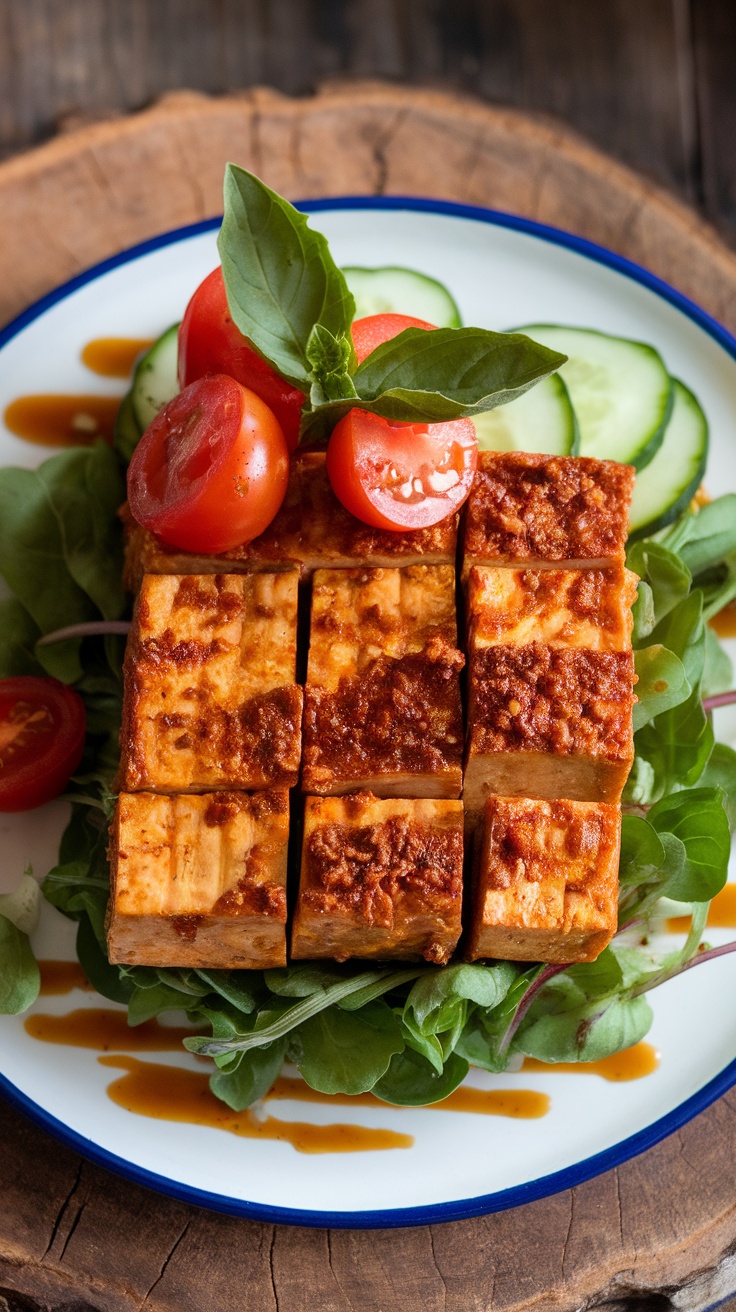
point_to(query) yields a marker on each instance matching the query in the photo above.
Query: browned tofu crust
(563, 608)
(210, 698)
(382, 702)
(380, 878)
(312, 530)
(537, 509)
(199, 880)
(553, 700)
(545, 881)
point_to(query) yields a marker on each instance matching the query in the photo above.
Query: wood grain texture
(84, 196)
(658, 1233)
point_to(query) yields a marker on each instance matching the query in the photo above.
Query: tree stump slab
(660, 1231)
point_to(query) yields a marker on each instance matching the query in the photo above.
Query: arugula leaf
(586, 1033)
(676, 747)
(720, 772)
(18, 636)
(666, 580)
(662, 683)
(346, 1052)
(410, 1081)
(280, 277)
(717, 668)
(704, 537)
(697, 818)
(20, 979)
(450, 373)
(251, 1077)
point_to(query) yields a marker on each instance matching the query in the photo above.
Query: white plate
(502, 271)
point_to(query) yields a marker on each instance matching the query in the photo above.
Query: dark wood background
(651, 81)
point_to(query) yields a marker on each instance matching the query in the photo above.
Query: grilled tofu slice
(562, 608)
(545, 882)
(548, 722)
(199, 881)
(210, 694)
(382, 701)
(547, 511)
(312, 530)
(379, 879)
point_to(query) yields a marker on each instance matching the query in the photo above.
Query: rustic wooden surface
(660, 1231)
(649, 81)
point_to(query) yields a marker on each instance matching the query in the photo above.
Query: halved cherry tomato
(42, 724)
(211, 471)
(210, 343)
(376, 329)
(401, 476)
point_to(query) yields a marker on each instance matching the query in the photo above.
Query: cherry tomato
(210, 343)
(211, 471)
(401, 476)
(42, 726)
(376, 329)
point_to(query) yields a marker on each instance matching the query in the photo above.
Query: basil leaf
(662, 683)
(332, 360)
(346, 1052)
(698, 819)
(410, 1081)
(450, 373)
(20, 979)
(279, 276)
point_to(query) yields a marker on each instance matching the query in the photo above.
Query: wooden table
(76, 1239)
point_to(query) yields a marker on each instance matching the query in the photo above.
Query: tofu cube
(210, 694)
(379, 879)
(542, 511)
(382, 702)
(312, 530)
(545, 881)
(199, 881)
(563, 608)
(548, 722)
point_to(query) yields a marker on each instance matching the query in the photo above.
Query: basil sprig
(289, 298)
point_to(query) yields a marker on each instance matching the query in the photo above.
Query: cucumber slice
(127, 429)
(620, 390)
(671, 479)
(155, 380)
(542, 419)
(402, 291)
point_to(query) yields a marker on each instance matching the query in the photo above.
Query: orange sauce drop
(631, 1064)
(59, 977)
(101, 1028)
(489, 1102)
(721, 913)
(724, 622)
(171, 1093)
(114, 357)
(61, 419)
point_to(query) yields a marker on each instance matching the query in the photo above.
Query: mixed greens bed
(407, 1033)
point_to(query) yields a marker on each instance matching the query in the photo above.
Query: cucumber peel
(665, 488)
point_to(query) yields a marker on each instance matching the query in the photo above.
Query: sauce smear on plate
(102, 1028)
(721, 913)
(59, 977)
(114, 357)
(631, 1064)
(61, 419)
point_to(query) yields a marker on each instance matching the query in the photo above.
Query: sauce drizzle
(60, 419)
(724, 622)
(114, 357)
(523, 1103)
(103, 1029)
(631, 1064)
(171, 1093)
(59, 977)
(721, 913)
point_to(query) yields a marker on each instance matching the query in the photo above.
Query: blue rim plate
(552, 1182)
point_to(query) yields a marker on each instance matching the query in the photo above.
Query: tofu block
(382, 708)
(210, 695)
(563, 608)
(548, 722)
(545, 881)
(312, 530)
(199, 881)
(547, 511)
(379, 879)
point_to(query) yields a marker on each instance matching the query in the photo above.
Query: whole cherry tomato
(211, 471)
(210, 343)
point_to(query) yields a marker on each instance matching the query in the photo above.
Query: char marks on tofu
(545, 884)
(546, 511)
(210, 694)
(312, 530)
(382, 701)
(199, 880)
(588, 608)
(379, 878)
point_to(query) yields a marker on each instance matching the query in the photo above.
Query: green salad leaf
(20, 979)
